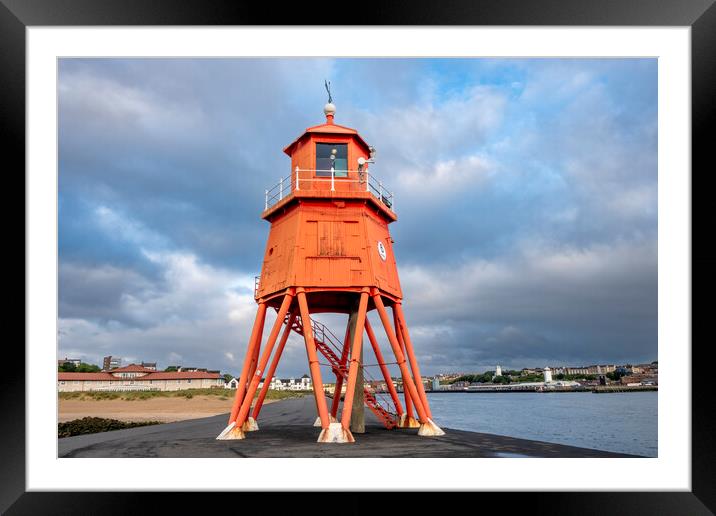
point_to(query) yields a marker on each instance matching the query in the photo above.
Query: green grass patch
(93, 425)
(284, 395)
(139, 395)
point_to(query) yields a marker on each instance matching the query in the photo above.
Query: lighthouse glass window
(324, 151)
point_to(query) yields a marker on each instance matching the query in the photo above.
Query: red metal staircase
(328, 344)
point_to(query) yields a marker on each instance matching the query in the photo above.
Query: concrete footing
(408, 422)
(430, 429)
(231, 432)
(250, 425)
(335, 433)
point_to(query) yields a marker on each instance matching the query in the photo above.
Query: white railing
(277, 192)
(329, 180)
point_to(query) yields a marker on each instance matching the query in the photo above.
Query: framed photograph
(537, 165)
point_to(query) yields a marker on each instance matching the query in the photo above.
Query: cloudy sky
(526, 193)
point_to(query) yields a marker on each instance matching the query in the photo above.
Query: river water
(617, 422)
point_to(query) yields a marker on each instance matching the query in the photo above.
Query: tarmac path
(286, 430)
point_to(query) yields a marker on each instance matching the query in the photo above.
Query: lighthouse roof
(327, 128)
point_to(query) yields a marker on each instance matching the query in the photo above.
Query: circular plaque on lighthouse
(381, 250)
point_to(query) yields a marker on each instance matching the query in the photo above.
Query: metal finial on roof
(328, 89)
(329, 109)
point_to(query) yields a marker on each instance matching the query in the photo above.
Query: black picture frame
(700, 15)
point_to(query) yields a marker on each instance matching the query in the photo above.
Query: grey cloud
(596, 304)
(96, 293)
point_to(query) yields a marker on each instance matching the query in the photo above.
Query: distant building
(596, 369)
(291, 384)
(331, 388)
(547, 375)
(639, 379)
(649, 369)
(576, 370)
(75, 361)
(276, 384)
(232, 384)
(150, 365)
(498, 371)
(600, 369)
(111, 362)
(436, 383)
(137, 378)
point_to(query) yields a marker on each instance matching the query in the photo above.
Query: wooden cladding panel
(324, 245)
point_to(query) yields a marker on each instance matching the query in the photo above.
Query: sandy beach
(164, 409)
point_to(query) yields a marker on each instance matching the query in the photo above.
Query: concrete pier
(286, 430)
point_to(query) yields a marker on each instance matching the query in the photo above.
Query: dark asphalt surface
(286, 430)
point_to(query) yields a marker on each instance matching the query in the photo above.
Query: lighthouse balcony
(329, 183)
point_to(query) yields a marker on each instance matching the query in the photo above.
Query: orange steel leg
(400, 317)
(231, 431)
(317, 423)
(383, 368)
(255, 336)
(255, 356)
(241, 421)
(409, 420)
(339, 375)
(353, 370)
(427, 427)
(313, 363)
(407, 380)
(274, 364)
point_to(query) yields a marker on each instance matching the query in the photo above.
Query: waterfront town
(74, 375)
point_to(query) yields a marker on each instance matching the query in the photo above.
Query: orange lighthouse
(330, 250)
